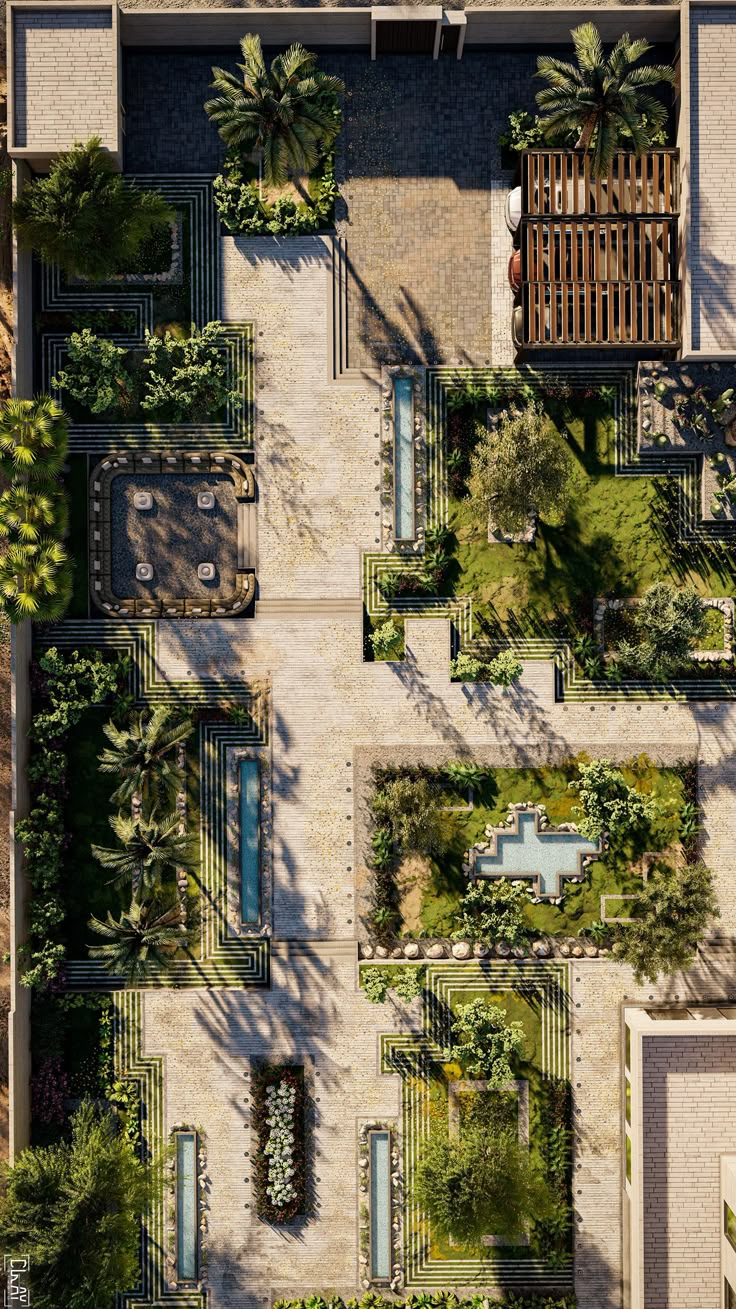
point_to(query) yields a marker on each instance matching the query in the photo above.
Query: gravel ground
(175, 536)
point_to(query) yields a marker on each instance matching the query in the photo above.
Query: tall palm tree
(148, 850)
(31, 511)
(145, 754)
(35, 580)
(602, 99)
(33, 438)
(288, 113)
(141, 939)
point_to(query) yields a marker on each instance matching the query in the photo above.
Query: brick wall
(689, 1090)
(712, 244)
(64, 78)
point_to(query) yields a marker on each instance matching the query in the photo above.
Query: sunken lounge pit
(171, 535)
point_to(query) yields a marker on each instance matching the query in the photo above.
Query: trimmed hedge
(262, 1079)
(440, 1300)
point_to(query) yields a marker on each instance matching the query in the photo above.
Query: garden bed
(279, 1163)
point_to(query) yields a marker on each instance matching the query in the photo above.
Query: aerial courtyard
(368, 541)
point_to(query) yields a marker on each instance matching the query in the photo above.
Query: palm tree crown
(148, 850)
(30, 511)
(33, 438)
(145, 754)
(288, 112)
(35, 580)
(602, 99)
(141, 939)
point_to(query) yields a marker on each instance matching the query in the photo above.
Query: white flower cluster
(280, 1103)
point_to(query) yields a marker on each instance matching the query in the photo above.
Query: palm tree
(602, 99)
(288, 114)
(35, 580)
(145, 754)
(149, 850)
(142, 938)
(30, 511)
(33, 438)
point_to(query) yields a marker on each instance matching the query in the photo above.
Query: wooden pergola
(599, 255)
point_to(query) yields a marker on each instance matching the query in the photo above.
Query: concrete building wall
(64, 78)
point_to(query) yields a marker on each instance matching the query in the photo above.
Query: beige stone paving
(316, 442)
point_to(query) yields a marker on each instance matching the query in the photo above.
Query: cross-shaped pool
(542, 856)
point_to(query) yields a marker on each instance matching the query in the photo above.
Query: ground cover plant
(279, 1166)
(427, 1300)
(619, 535)
(425, 892)
(245, 208)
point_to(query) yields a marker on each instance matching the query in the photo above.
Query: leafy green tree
(141, 939)
(602, 100)
(413, 808)
(145, 754)
(608, 803)
(95, 373)
(186, 378)
(29, 512)
(33, 439)
(149, 850)
(74, 1210)
(84, 216)
(521, 467)
(482, 1181)
(384, 638)
(35, 580)
(671, 914)
(505, 668)
(493, 911)
(289, 113)
(669, 622)
(466, 668)
(485, 1041)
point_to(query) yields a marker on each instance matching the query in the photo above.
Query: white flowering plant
(278, 1112)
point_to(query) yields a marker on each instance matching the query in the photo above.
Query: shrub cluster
(555, 1111)
(280, 1163)
(502, 670)
(440, 1300)
(405, 980)
(68, 686)
(240, 206)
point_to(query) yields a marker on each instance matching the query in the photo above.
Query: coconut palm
(141, 939)
(145, 754)
(602, 99)
(33, 438)
(288, 113)
(148, 850)
(31, 511)
(35, 580)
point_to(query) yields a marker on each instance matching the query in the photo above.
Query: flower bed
(280, 1163)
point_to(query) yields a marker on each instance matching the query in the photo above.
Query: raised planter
(279, 1164)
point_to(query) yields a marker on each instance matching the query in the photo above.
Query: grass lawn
(618, 538)
(617, 873)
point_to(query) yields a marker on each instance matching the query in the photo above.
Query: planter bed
(280, 1195)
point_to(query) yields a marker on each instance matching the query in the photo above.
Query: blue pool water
(380, 1206)
(186, 1206)
(403, 459)
(544, 853)
(250, 820)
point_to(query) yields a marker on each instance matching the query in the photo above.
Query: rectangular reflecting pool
(404, 458)
(249, 814)
(380, 1169)
(186, 1206)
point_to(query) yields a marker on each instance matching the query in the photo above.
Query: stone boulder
(481, 951)
(436, 951)
(411, 950)
(461, 950)
(541, 949)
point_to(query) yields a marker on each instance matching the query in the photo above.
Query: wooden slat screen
(561, 182)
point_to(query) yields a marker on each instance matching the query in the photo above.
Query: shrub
(95, 373)
(405, 980)
(481, 1181)
(239, 204)
(384, 638)
(485, 1041)
(466, 668)
(523, 132)
(505, 668)
(441, 1300)
(280, 1161)
(84, 216)
(186, 380)
(669, 623)
(670, 915)
(608, 804)
(412, 809)
(493, 911)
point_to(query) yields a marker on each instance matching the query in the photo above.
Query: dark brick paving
(418, 164)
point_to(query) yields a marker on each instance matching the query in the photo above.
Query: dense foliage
(66, 687)
(84, 216)
(74, 1210)
(502, 670)
(96, 374)
(410, 808)
(485, 1041)
(279, 1165)
(493, 911)
(669, 622)
(288, 114)
(520, 468)
(405, 980)
(607, 803)
(427, 1300)
(671, 914)
(242, 208)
